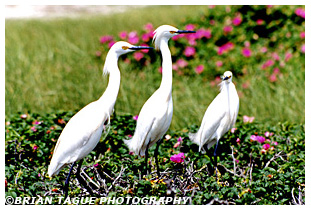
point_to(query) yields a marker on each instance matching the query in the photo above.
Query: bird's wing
(211, 121)
(79, 137)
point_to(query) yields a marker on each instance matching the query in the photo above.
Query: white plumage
(156, 115)
(83, 131)
(220, 116)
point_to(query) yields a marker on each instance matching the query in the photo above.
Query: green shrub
(247, 173)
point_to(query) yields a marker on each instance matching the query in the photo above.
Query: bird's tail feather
(195, 139)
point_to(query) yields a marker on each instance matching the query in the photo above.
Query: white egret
(219, 117)
(155, 116)
(83, 131)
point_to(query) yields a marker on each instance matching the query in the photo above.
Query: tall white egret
(83, 131)
(156, 115)
(219, 117)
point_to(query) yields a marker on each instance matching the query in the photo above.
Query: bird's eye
(125, 47)
(172, 32)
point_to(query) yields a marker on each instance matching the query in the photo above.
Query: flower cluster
(267, 143)
(239, 38)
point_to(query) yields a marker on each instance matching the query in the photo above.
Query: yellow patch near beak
(125, 47)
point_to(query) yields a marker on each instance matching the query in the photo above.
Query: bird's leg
(146, 158)
(67, 181)
(156, 153)
(215, 157)
(81, 180)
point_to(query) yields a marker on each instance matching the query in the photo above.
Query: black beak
(185, 32)
(225, 78)
(140, 48)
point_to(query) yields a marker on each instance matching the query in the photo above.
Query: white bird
(219, 117)
(156, 115)
(83, 131)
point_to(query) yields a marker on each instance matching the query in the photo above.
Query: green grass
(50, 65)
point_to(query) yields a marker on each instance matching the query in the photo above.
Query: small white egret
(83, 131)
(155, 116)
(219, 117)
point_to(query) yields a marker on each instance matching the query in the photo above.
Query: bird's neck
(167, 75)
(109, 97)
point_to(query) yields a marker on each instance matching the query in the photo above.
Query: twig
(220, 202)
(251, 175)
(121, 171)
(273, 158)
(239, 175)
(89, 178)
(233, 159)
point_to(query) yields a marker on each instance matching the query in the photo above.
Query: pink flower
(33, 128)
(227, 29)
(179, 139)
(135, 117)
(273, 78)
(275, 56)
(138, 55)
(35, 147)
(133, 37)
(219, 63)
(266, 146)
(203, 33)
(302, 35)
(267, 64)
(264, 49)
(105, 39)
(238, 140)
(123, 35)
(24, 116)
(145, 37)
(237, 20)
(175, 67)
(247, 119)
(189, 51)
(275, 143)
(110, 44)
(260, 139)
(178, 36)
(178, 158)
(190, 27)
(96, 165)
(199, 69)
(130, 136)
(288, 56)
(177, 144)
(247, 44)
(267, 134)
(181, 63)
(246, 52)
(36, 122)
(160, 69)
(225, 48)
(300, 12)
(253, 138)
(148, 27)
(233, 130)
(303, 48)
(237, 161)
(259, 21)
(192, 42)
(144, 50)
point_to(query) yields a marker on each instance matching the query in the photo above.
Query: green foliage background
(51, 65)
